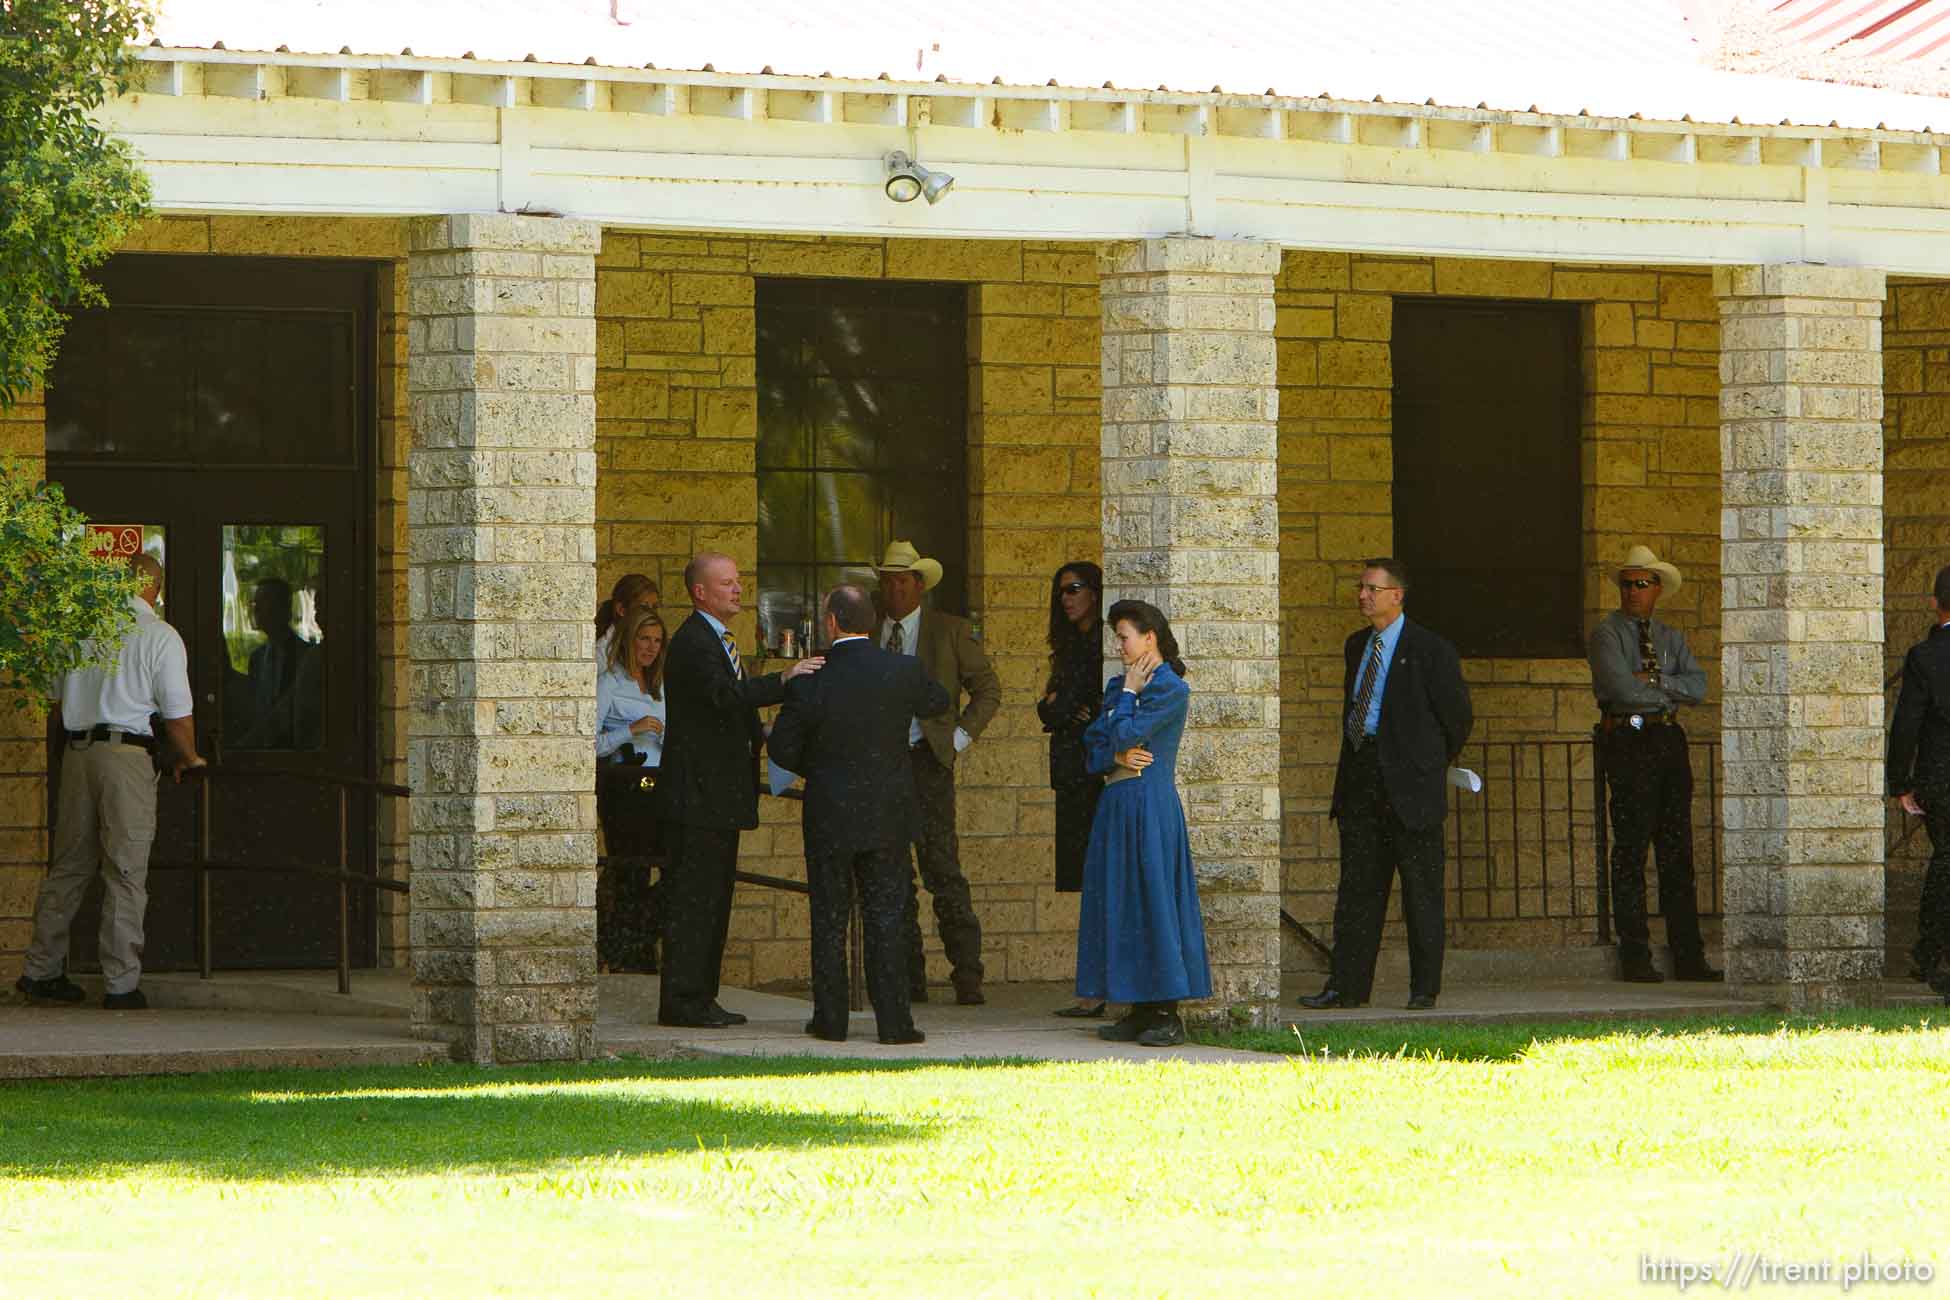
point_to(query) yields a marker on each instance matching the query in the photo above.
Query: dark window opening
(862, 420)
(1488, 493)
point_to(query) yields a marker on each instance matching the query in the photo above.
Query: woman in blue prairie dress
(1139, 937)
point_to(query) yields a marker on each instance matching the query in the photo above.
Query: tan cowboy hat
(903, 558)
(1642, 557)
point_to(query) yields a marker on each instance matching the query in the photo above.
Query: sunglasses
(1072, 588)
(1638, 584)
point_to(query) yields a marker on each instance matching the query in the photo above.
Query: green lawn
(1501, 1160)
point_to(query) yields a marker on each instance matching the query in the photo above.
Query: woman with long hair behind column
(1140, 939)
(630, 716)
(1069, 704)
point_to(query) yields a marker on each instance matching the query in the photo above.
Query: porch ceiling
(229, 130)
(1650, 60)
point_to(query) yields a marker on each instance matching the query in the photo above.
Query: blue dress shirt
(1390, 637)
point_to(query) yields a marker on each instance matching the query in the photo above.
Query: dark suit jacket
(844, 728)
(712, 735)
(1425, 721)
(1919, 739)
(954, 658)
(1077, 680)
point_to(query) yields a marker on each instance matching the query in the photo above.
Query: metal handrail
(343, 875)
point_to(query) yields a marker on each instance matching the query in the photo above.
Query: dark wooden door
(224, 407)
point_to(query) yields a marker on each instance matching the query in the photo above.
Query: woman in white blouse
(629, 747)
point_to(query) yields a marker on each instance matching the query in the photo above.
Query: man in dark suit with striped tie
(1405, 716)
(707, 788)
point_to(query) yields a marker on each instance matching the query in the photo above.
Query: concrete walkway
(265, 1020)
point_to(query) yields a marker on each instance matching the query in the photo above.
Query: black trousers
(1933, 910)
(627, 895)
(938, 854)
(1651, 782)
(1375, 845)
(1076, 808)
(880, 875)
(697, 915)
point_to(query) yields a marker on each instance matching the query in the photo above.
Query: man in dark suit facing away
(1919, 780)
(1405, 716)
(845, 730)
(708, 787)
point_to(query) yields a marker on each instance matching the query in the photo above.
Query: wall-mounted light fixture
(908, 180)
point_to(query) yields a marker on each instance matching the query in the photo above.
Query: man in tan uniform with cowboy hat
(954, 659)
(1641, 672)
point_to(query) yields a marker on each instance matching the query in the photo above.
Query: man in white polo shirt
(106, 817)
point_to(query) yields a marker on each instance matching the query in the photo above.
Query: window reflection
(273, 634)
(862, 412)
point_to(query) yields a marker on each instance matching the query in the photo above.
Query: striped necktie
(1357, 717)
(731, 648)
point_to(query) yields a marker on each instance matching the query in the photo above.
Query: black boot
(1140, 1018)
(1166, 1030)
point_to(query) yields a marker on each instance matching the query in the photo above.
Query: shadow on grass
(1511, 1040)
(409, 1120)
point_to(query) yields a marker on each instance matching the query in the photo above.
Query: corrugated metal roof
(1879, 29)
(1650, 58)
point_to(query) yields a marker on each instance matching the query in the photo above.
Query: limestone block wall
(1916, 532)
(23, 750)
(676, 406)
(1650, 460)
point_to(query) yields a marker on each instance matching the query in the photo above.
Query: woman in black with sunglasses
(1069, 704)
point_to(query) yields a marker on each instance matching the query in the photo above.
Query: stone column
(501, 363)
(1191, 524)
(1801, 547)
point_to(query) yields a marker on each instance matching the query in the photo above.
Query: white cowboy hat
(903, 558)
(1642, 557)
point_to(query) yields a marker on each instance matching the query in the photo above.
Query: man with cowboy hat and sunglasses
(954, 659)
(1641, 672)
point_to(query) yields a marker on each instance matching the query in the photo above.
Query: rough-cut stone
(501, 578)
(1191, 524)
(1801, 565)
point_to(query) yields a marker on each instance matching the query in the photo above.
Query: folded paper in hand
(777, 778)
(1464, 779)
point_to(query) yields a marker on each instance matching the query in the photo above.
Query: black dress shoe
(705, 1019)
(729, 1017)
(1420, 1001)
(1095, 1011)
(1330, 1000)
(1700, 974)
(902, 1040)
(59, 989)
(130, 1001)
(1640, 972)
(969, 995)
(812, 1027)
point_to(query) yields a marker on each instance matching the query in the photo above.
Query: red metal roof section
(1906, 30)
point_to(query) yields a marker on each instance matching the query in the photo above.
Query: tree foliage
(69, 193)
(61, 606)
